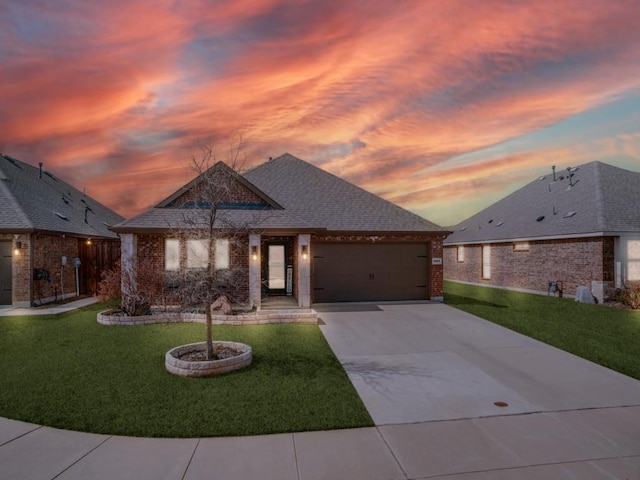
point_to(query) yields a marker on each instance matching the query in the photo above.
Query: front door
(5, 273)
(276, 270)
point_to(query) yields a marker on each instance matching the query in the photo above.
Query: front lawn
(69, 372)
(605, 335)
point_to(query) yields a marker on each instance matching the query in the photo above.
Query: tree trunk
(209, 322)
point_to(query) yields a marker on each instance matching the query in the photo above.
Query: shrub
(630, 295)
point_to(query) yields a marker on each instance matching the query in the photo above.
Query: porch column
(128, 248)
(304, 270)
(255, 280)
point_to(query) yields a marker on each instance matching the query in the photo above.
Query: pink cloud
(381, 95)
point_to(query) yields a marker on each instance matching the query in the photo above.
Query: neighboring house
(315, 237)
(45, 226)
(579, 227)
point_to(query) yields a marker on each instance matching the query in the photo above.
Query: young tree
(213, 233)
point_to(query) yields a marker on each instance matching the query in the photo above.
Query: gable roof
(219, 169)
(597, 199)
(329, 202)
(300, 197)
(33, 201)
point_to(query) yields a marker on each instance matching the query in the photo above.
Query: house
(314, 238)
(575, 227)
(47, 229)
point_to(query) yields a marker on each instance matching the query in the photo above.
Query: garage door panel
(370, 272)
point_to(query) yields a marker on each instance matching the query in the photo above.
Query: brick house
(314, 238)
(578, 227)
(45, 225)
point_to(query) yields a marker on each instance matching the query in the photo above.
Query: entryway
(277, 267)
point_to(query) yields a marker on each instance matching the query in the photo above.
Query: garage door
(369, 272)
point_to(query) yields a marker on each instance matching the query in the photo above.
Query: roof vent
(499, 224)
(60, 215)
(541, 178)
(490, 221)
(569, 214)
(463, 229)
(540, 218)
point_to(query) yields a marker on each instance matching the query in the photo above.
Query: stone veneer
(296, 316)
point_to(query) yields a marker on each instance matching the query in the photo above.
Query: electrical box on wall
(76, 262)
(63, 260)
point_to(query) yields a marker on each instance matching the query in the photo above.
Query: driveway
(428, 362)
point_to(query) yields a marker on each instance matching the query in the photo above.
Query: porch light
(88, 241)
(305, 252)
(254, 253)
(18, 247)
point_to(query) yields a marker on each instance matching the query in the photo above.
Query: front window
(222, 254)
(461, 253)
(198, 254)
(633, 259)
(171, 255)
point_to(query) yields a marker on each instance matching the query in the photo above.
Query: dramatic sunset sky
(440, 106)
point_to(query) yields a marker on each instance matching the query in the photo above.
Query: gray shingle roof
(603, 199)
(310, 198)
(31, 203)
(328, 202)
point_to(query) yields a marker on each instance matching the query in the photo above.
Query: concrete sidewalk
(429, 376)
(50, 309)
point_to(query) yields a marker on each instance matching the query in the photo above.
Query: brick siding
(575, 262)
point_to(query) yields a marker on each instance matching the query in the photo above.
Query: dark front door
(369, 272)
(5, 273)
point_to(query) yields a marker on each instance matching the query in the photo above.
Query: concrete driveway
(428, 362)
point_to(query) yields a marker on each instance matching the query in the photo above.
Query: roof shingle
(30, 201)
(597, 199)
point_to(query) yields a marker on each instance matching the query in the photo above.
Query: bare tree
(212, 237)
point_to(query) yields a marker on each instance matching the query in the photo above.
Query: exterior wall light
(18, 247)
(254, 253)
(88, 241)
(305, 252)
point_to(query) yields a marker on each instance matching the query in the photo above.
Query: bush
(630, 295)
(137, 300)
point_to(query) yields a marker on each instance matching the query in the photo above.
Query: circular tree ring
(206, 368)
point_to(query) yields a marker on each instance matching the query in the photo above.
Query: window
(633, 259)
(521, 247)
(171, 254)
(486, 262)
(222, 254)
(198, 254)
(461, 253)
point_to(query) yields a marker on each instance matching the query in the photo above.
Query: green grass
(69, 372)
(605, 335)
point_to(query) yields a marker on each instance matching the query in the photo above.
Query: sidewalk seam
(190, 459)
(83, 456)
(393, 454)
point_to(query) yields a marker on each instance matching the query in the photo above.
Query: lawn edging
(263, 317)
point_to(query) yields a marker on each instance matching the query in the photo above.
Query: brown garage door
(369, 272)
